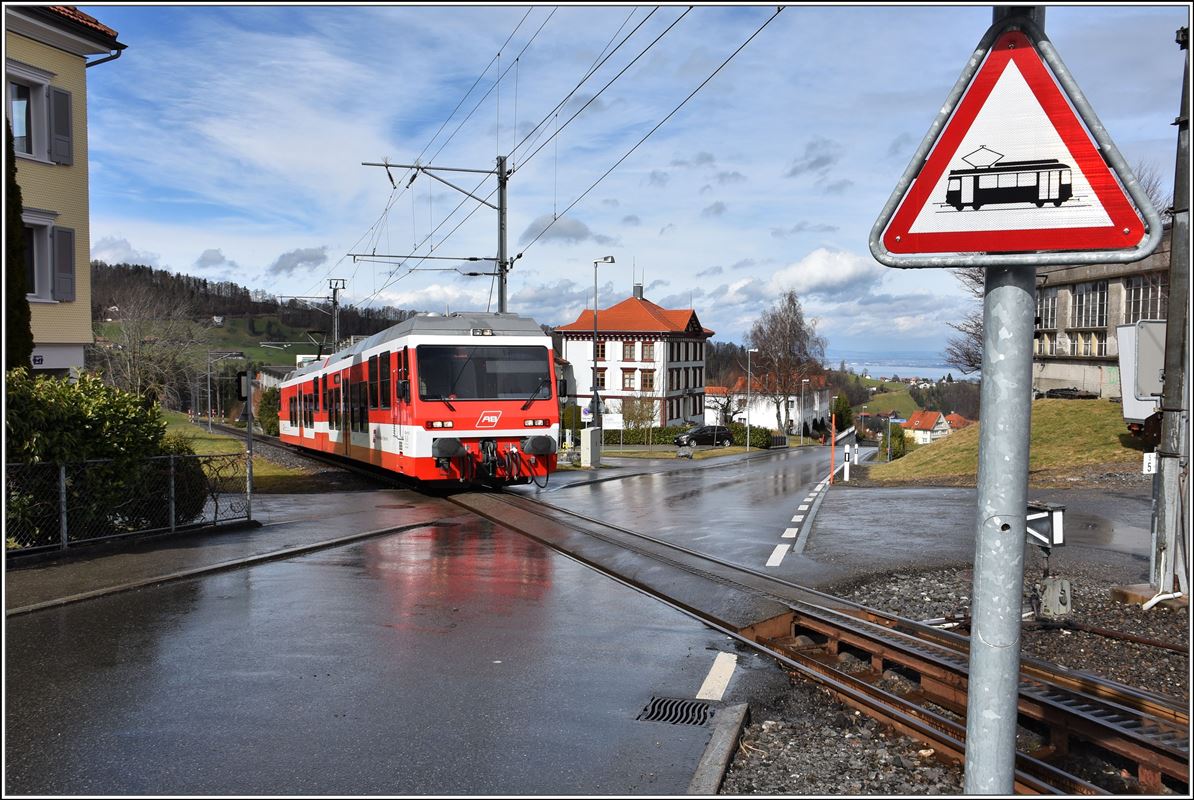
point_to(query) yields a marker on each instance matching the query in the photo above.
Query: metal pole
(748, 352)
(832, 443)
(1174, 408)
(62, 503)
(502, 266)
(889, 439)
(172, 524)
(209, 392)
(596, 399)
(803, 411)
(336, 284)
(249, 446)
(1008, 314)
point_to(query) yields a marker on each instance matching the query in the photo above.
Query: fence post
(62, 503)
(172, 515)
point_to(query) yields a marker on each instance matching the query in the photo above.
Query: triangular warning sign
(1013, 170)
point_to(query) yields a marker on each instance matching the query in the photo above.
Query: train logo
(489, 419)
(991, 181)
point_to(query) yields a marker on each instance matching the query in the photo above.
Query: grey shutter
(63, 262)
(62, 149)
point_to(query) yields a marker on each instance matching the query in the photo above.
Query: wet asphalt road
(451, 659)
(735, 509)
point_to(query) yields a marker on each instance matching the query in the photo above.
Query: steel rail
(1146, 728)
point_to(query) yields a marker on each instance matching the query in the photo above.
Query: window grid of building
(1046, 309)
(1090, 305)
(648, 380)
(600, 351)
(1148, 297)
(628, 351)
(628, 380)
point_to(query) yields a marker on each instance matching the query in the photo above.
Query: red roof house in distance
(927, 426)
(644, 353)
(957, 422)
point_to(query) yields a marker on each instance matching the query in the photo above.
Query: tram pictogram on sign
(1014, 171)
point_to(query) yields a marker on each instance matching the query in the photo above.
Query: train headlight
(536, 423)
(438, 423)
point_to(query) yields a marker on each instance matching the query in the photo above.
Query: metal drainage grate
(676, 712)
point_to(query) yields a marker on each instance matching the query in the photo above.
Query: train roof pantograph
(1009, 175)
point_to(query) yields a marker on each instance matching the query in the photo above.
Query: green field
(268, 477)
(882, 402)
(1067, 435)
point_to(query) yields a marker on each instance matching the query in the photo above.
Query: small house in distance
(927, 426)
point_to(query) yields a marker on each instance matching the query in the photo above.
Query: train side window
(1007, 181)
(1065, 176)
(986, 181)
(1026, 179)
(363, 414)
(384, 383)
(955, 185)
(372, 381)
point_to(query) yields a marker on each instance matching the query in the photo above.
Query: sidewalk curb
(210, 568)
(727, 728)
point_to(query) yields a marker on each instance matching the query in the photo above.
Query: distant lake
(905, 365)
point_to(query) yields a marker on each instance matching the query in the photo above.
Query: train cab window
(383, 364)
(1065, 176)
(481, 372)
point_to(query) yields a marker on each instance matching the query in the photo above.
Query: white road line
(718, 678)
(803, 507)
(798, 518)
(790, 533)
(777, 555)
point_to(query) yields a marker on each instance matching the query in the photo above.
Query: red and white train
(463, 398)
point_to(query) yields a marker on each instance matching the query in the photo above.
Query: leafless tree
(152, 348)
(726, 406)
(639, 411)
(789, 351)
(1149, 178)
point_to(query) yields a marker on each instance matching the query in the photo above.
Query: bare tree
(152, 348)
(640, 411)
(1149, 178)
(725, 405)
(789, 351)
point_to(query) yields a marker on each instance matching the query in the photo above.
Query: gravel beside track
(809, 743)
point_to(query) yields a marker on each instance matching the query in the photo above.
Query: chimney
(638, 291)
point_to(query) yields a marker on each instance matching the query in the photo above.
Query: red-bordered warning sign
(1013, 170)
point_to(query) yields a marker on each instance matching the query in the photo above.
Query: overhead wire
(652, 131)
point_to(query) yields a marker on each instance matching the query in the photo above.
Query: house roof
(637, 314)
(86, 20)
(922, 421)
(759, 382)
(717, 391)
(957, 421)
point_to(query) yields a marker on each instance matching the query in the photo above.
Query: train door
(1052, 185)
(401, 400)
(967, 190)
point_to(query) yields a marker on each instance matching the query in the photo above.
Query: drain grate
(675, 711)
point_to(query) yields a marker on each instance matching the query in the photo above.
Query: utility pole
(503, 176)
(1169, 545)
(336, 285)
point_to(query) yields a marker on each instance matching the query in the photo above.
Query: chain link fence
(54, 506)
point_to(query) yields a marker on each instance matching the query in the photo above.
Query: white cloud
(828, 272)
(117, 250)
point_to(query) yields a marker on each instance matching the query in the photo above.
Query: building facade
(46, 58)
(798, 409)
(927, 426)
(650, 363)
(1077, 311)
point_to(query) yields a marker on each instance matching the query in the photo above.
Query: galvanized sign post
(1007, 179)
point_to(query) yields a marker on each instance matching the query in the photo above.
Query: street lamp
(219, 355)
(803, 412)
(596, 398)
(748, 352)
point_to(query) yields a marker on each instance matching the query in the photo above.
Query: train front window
(480, 372)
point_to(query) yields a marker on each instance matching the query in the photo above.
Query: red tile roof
(957, 421)
(717, 390)
(922, 421)
(635, 314)
(75, 15)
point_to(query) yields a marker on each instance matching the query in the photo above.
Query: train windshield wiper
(445, 401)
(534, 394)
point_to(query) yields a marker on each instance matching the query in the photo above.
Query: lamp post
(596, 398)
(889, 438)
(803, 412)
(219, 356)
(748, 352)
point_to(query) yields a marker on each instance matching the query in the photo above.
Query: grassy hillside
(882, 402)
(1066, 435)
(235, 334)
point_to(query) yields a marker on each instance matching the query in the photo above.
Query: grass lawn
(268, 477)
(1066, 436)
(882, 402)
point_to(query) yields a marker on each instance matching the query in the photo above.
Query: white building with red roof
(927, 426)
(797, 410)
(645, 353)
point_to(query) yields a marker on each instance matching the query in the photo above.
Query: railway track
(815, 632)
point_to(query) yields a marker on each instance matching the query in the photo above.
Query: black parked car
(706, 434)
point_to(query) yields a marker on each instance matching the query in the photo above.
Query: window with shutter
(61, 134)
(64, 264)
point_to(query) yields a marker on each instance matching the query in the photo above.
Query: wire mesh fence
(53, 506)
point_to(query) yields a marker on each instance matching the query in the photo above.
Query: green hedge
(644, 436)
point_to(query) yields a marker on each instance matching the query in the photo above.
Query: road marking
(798, 518)
(777, 555)
(718, 678)
(803, 507)
(790, 533)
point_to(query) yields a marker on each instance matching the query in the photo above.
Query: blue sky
(227, 142)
